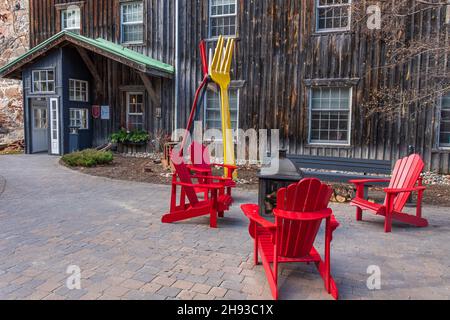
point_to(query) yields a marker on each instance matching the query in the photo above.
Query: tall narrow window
(135, 111)
(132, 22)
(213, 118)
(71, 19)
(43, 81)
(78, 90)
(333, 15)
(444, 134)
(222, 17)
(330, 116)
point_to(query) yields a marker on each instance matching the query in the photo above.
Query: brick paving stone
(218, 292)
(186, 295)
(201, 288)
(120, 240)
(168, 292)
(182, 284)
(164, 281)
(132, 284)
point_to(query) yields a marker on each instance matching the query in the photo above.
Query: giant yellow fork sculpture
(220, 74)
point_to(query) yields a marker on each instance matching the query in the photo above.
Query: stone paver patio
(52, 217)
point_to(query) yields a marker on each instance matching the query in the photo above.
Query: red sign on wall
(96, 112)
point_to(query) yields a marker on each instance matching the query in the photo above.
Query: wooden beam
(91, 66)
(150, 89)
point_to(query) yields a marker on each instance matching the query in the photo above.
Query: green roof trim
(99, 43)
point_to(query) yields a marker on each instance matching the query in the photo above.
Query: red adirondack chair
(201, 165)
(405, 180)
(299, 213)
(216, 203)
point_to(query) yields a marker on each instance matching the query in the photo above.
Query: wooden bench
(333, 169)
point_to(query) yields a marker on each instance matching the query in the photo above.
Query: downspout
(175, 127)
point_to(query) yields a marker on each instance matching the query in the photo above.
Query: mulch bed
(132, 169)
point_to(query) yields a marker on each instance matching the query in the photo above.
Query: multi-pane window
(71, 19)
(43, 81)
(79, 118)
(132, 22)
(78, 90)
(444, 134)
(222, 17)
(330, 115)
(333, 15)
(40, 118)
(135, 111)
(213, 119)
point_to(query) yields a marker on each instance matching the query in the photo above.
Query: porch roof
(100, 46)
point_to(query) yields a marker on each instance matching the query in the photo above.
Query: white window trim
(86, 110)
(350, 119)
(331, 30)
(205, 107)
(122, 5)
(47, 81)
(441, 146)
(87, 89)
(79, 19)
(132, 113)
(211, 16)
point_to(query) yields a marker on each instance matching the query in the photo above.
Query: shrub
(87, 158)
(136, 136)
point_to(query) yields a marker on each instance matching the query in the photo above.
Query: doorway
(39, 125)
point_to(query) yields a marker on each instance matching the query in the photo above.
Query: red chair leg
(358, 214)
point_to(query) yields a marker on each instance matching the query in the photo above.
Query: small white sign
(105, 113)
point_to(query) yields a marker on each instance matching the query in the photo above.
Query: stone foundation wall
(14, 41)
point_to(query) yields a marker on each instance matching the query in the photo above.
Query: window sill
(318, 33)
(328, 145)
(132, 44)
(214, 39)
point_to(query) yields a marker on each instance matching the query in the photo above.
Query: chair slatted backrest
(182, 171)
(308, 195)
(200, 156)
(405, 175)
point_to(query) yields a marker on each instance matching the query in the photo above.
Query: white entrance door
(54, 126)
(39, 126)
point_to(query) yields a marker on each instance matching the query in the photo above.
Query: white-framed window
(78, 90)
(213, 119)
(330, 115)
(79, 118)
(132, 22)
(135, 111)
(222, 18)
(444, 126)
(71, 18)
(40, 118)
(43, 81)
(333, 15)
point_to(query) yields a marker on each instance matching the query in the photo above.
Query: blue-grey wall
(52, 60)
(74, 68)
(67, 64)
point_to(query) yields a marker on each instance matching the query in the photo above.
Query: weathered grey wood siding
(279, 54)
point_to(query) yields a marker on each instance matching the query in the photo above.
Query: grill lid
(286, 168)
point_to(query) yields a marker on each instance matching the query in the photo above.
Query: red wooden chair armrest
(397, 191)
(212, 178)
(229, 166)
(197, 185)
(196, 169)
(303, 216)
(252, 212)
(368, 181)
